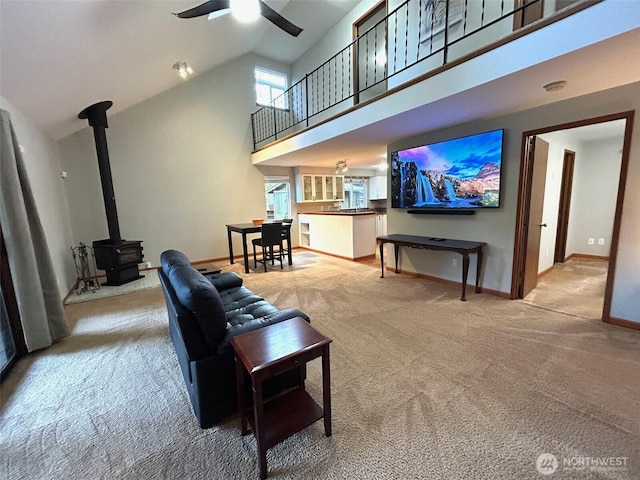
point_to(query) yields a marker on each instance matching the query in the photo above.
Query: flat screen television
(460, 174)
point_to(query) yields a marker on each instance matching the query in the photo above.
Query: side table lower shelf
(286, 414)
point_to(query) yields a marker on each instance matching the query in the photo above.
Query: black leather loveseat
(205, 312)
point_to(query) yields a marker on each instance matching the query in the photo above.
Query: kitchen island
(349, 235)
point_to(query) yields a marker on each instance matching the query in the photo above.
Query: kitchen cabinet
(309, 188)
(378, 187)
(349, 236)
(338, 188)
(319, 188)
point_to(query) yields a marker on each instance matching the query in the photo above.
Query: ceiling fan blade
(204, 9)
(278, 20)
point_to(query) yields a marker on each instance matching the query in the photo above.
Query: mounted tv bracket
(421, 211)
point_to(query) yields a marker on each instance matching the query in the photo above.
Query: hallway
(575, 287)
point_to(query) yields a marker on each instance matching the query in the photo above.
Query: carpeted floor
(575, 287)
(424, 386)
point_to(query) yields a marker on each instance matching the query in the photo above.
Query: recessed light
(183, 69)
(555, 86)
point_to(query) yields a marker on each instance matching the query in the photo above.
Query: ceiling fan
(221, 7)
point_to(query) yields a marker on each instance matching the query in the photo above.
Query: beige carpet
(424, 387)
(575, 287)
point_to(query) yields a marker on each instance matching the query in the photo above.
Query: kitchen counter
(349, 235)
(368, 212)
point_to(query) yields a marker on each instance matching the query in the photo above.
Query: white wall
(181, 166)
(595, 190)
(43, 167)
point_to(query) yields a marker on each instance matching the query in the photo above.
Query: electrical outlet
(454, 262)
(601, 241)
(591, 241)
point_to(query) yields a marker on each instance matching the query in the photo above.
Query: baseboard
(544, 272)
(621, 322)
(585, 255)
(357, 259)
(226, 258)
(470, 287)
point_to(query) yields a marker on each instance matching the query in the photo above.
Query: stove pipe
(97, 116)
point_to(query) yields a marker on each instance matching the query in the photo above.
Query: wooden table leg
(258, 409)
(244, 252)
(230, 245)
(465, 273)
(382, 258)
(240, 394)
(478, 268)
(326, 390)
(396, 251)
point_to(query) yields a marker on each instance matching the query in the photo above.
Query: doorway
(370, 58)
(590, 203)
(564, 206)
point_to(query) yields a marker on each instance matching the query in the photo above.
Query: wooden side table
(270, 351)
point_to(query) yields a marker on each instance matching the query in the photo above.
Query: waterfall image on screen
(459, 173)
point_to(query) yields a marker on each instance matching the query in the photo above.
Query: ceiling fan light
(183, 69)
(245, 11)
(218, 13)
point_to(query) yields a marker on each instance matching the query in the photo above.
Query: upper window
(270, 87)
(355, 193)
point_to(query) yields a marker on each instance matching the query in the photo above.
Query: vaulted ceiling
(57, 56)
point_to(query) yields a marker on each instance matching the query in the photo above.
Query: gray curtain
(41, 312)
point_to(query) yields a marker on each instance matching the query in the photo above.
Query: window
(270, 87)
(276, 190)
(355, 192)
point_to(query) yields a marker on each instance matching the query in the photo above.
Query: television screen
(462, 173)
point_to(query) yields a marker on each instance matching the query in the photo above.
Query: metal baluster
(275, 122)
(466, 10)
(482, 14)
(420, 3)
(306, 98)
(395, 42)
(375, 55)
(446, 32)
(406, 36)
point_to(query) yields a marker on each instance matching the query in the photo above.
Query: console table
(462, 247)
(265, 353)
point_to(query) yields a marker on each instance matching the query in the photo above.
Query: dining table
(247, 228)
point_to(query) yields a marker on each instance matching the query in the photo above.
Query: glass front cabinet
(319, 188)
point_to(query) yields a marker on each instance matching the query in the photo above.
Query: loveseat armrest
(225, 281)
(287, 314)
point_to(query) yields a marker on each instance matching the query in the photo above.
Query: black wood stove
(119, 258)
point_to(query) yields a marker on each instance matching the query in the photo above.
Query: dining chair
(271, 237)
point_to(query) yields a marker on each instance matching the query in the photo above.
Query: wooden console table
(265, 353)
(462, 247)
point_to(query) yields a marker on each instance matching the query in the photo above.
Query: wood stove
(119, 258)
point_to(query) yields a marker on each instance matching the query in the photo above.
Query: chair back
(287, 224)
(271, 234)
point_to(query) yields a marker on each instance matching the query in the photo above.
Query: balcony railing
(413, 40)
